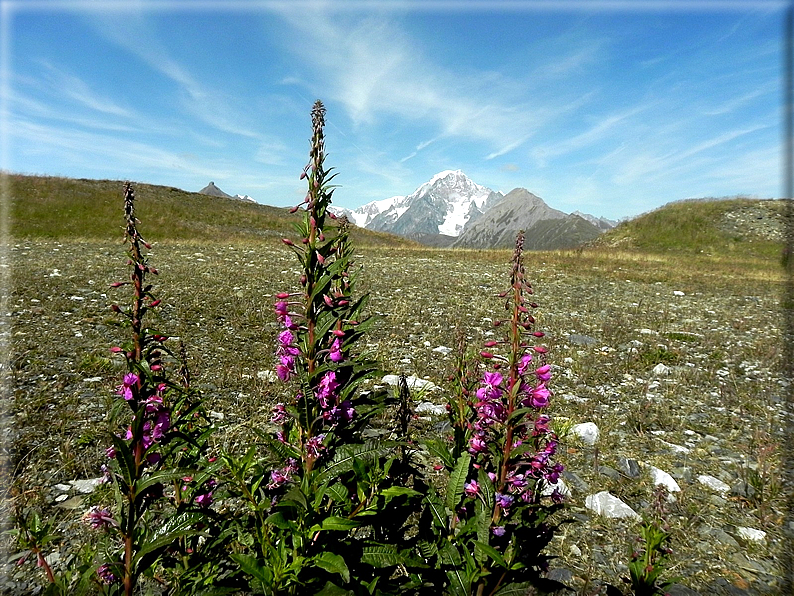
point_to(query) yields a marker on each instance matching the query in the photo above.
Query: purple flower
(286, 368)
(498, 530)
(204, 500)
(280, 414)
(504, 501)
(326, 388)
(314, 446)
(335, 353)
(539, 397)
(125, 389)
(523, 364)
(105, 574)
(472, 489)
(99, 518)
(277, 478)
(161, 425)
(110, 452)
(477, 444)
(544, 372)
(490, 386)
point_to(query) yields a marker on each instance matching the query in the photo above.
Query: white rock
(609, 505)
(587, 432)
(660, 369)
(661, 477)
(216, 415)
(427, 407)
(413, 383)
(62, 487)
(442, 350)
(560, 485)
(86, 486)
(61, 498)
(575, 551)
(751, 534)
(714, 483)
(678, 293)
(674, 447)
(267, 375)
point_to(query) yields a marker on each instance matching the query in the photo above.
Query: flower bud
(115, 308)
(294, 209)
(490, 344)
(485, 354)
(155, 303)
(288, 242)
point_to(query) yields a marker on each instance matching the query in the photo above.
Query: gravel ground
(679, 368)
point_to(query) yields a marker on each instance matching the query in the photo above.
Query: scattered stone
(742, 489)
(609, 505)
(87, 486)
(610, 473)
(560, 486)
(216, 415)
(575, 551)
(629, 467)
(430, 408)
(414, 383)
(714, 483)
(679, 590)
(717, 501)
(442, 350)
(660, 370)
(750, 534)
(661, 477)
(63, 487)
(678, 293)
(560, 574)
(61, 498)
(721, 536)
(576, 481)
(92, 380)
(267, 375)
(674, 447)
(582, 340)
(587, 432)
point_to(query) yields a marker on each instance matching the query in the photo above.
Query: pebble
(608, 505)
(713, 483)
(587, 432)
(660, 477)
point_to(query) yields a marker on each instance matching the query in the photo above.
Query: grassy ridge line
(56, 208)
(699, 227)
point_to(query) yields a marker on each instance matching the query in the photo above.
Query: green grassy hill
(714, 227)
(62, 208)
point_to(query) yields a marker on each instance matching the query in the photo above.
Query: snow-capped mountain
(602, 223)
(443, 205)
(245, 198)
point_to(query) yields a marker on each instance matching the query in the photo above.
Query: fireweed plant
(326, 507)
(488, 532)
(158, 469)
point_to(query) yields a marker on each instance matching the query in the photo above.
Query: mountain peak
(213, 191)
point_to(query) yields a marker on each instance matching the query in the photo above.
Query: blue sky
(611, 108)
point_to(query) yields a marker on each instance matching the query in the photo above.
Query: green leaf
(441, 450)
(456, 481)
(250, 565)
(345, 456)
(486, 488)
(494, 554)
(336, 523)
(183, 524)
(338, 492)
(333, 563)
(278, 520)
(157, 477)
(437, 511)
(125, 459)
(331, 589)
(381, 556)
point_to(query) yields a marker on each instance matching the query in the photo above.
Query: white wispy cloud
(377, 72)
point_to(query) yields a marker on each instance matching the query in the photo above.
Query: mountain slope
(61, 208)
(214, 191)
(443, 205)
(497, 228)
(705, 226)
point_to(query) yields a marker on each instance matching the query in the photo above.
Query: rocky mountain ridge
(452, 210)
